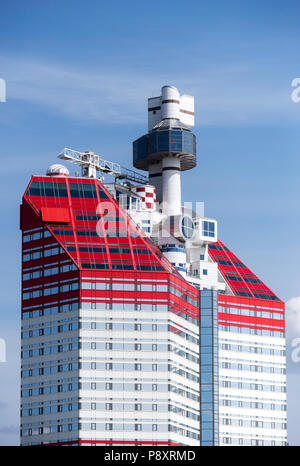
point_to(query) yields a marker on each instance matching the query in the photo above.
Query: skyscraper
(139, 326)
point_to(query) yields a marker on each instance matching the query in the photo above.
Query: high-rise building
(139, 326)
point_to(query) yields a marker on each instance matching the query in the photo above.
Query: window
(227, 440)
(226, 422)
(49, 189)
(187, 227)
(83, 190)
(256, 424)
(124, 200)
(257, 443)
(208, 229)
(226, 383)
(204, 271)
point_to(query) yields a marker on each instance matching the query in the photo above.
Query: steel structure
(92, 163)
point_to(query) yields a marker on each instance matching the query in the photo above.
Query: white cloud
(293, 317)
(224, 94)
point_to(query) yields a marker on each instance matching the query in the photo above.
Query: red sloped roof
(241, 280)
(92, 227)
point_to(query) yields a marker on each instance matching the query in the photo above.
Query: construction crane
(91, 163)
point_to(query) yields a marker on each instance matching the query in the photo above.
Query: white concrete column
(170, 100)
(171, 185)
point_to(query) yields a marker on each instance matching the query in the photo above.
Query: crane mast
(92, 163)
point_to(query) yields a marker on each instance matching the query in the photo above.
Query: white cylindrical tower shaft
(170, 102)
(171, 185)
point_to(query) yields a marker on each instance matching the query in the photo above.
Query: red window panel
(55, 215)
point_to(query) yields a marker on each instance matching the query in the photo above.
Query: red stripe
(251, 320)
(251, 301)
(228, 306)
(230, 324)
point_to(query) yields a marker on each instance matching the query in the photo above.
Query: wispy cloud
(293, 317)
(225, 95)
(80, 94)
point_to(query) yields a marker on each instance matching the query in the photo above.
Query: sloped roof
(92, 227)
(241, 280)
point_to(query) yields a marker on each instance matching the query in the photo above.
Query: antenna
(91, 163)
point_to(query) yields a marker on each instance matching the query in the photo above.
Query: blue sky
(78, 75)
